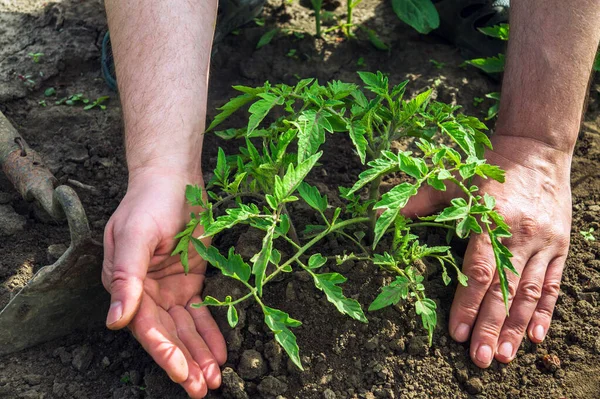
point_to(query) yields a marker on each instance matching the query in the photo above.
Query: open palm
(151, 294)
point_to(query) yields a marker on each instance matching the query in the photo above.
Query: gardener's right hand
(150, 293)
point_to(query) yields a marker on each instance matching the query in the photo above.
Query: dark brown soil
(388, 357)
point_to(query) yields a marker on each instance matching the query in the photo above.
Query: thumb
(424, 203)
(132, 255)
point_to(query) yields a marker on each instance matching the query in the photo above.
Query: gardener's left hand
(536, 203)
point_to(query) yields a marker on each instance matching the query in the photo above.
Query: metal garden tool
(67, 295)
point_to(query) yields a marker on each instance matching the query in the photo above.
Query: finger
(209, 330)
(109, 252)
(130, 265)
(492, 314)
(427, 201)
(186, 330)
(542, 316)
(479, 268)
(149, 329)
(526, 299)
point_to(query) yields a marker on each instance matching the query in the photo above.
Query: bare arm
(162, 53)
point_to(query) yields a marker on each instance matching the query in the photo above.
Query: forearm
(549, 59)
(162, 54)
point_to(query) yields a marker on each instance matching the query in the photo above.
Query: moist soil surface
(387, 358)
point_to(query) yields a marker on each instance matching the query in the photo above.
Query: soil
(387, 358)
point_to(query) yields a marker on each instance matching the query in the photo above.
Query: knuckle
(544, 313)
(530, 291)
(551, 288)
(489, 331)
(481, 272)
(496, 291)
(121, 279)
(528, 227)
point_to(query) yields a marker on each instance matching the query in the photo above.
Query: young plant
(264, 184)
(36, 57)
(588, 235)
(99, 102)
(317, 6)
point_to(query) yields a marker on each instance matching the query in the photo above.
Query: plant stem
(236, 195)
(372, 213)
(430, 224)
(358, 244)
(349, 12)
(315, 240)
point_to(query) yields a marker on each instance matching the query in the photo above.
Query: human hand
(150, 293)
(535, 201)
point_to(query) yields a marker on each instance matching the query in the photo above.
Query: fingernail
(484, 354)
(114, 313)
(462, 332)
(506, 350)
(539, 333)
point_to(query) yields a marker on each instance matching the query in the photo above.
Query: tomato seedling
(264, 185)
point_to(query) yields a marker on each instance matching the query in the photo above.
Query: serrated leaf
(491, 171)
(328, 283)
(182, 247)
(232, 316)
(466, 225)
(294, 176)
(500, 31)
(377, 83)
(436, 183)
(231, 106)
(426, 309)
(420, 14)
(222, 170)
(391, 294)
(311, 126)
(376, 40)
(357, 134)
(266, 38)
(377, 167)
(313, 198)
(233, 216)
(261, 260)
(459, 136)
(411, 166)
(489, 64)
(316, 261)
(259, 110)
(392, 201)
(232, 266)
(278, 322)
(452, 213)
(193, 195)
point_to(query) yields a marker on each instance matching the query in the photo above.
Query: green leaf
(436, 183)
(266, 38)
(377, 167)
(596, 65)
(466, 225)
(311, 126)
(261, 260)
(193, 195)
(243, 213)
(316, 261)
(311, 195)
(233, 105)
(420, 14)
(328, 283)
(453, 213)
(500, 31)
(278, 322)
(502, 256)
(357, 135)
(392, 202)
(232, 266)
(259, 110)
(413, 167)
(222, 170)
(457, 133)
(232, 316)
(184, 242)
(492, 171)
(426, 309)
(377, 83)
(489, 64)
(294, 176)
(376, 40)
(391, 294)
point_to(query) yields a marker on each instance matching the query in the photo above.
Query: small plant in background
(588, 235)
(99, 102)
(36, 57)
(72, 100)
(421, 15)
(493, 110)
(262, 185)
(437, 64)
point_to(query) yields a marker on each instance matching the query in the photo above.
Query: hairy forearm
(549, 59)
(162, 54)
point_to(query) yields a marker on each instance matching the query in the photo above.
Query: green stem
(318, 21)
(292, 231)
(358, 244)
(372, 213)
(430, 224)
(242, 299)
(315, 240)
(236, 195)
(349, 12)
